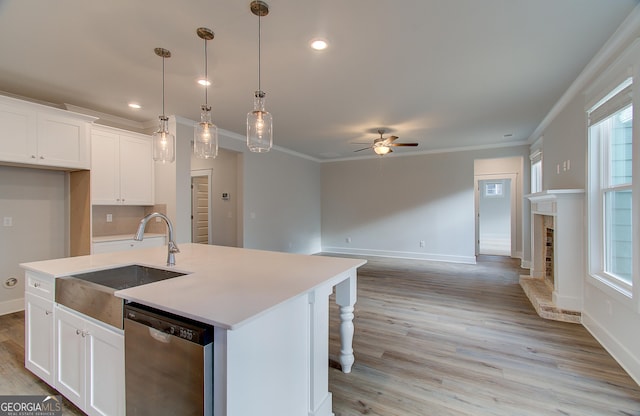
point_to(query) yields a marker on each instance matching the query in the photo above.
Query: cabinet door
(105, 168)
(105, 371)
(18, 135)
(62, 141)
(38, 332)
(70, 356)
(136, 171)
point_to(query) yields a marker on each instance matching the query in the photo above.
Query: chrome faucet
(173, 248)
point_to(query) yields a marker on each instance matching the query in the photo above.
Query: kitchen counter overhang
(223, 286)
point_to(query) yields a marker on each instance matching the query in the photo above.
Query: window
(610, 188)
(536, 171)
(493, 189)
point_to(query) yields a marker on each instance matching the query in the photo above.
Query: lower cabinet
(90, 363)
(39, 352)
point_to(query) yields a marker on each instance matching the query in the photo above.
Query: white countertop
(224, 286)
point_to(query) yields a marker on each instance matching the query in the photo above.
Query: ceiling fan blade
(360, 150)
(404, 144)
(391, 139)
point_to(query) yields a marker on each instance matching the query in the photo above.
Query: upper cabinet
(121, 167)
(34, 134)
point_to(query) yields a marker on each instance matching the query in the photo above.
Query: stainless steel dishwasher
(168, 363)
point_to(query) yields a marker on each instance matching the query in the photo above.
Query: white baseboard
(624, 357)
(11, 306)
(401, 255)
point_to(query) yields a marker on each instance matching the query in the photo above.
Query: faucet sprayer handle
(173, 248)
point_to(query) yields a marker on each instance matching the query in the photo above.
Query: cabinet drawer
(40, 285)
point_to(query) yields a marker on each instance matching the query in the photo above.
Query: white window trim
(627, 65)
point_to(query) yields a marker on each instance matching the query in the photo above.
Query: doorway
(495, 214)
(200, 206)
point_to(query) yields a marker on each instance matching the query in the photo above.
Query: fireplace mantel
(566, 208)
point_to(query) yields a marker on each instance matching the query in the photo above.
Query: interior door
(200, 209)
(494, 216)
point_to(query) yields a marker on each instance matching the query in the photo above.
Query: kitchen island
(269, 312)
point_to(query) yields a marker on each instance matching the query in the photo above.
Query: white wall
(280, 194)
(282, 202)
(614, 321)
(388, 205)
(36, 201)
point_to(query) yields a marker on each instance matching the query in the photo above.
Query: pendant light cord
(206, 76)
(163, 116)
(259, 49)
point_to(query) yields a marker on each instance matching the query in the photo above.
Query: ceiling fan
(383, 146)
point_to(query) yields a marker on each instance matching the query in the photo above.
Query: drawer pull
(48, 312)
(78, 332)
(36, 284)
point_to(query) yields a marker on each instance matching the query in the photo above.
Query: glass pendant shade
(205, 140)
(164, 143)
(259, 126)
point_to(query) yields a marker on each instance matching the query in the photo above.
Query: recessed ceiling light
(319, 44)
(135, 106)
(204, 82)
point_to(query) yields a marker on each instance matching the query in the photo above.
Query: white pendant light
(164, 143)
(259, 121)
(205, 135)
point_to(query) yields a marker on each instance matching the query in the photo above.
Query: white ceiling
(444, 73)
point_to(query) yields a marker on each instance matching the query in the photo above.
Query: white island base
(278, 364)
(270, 313)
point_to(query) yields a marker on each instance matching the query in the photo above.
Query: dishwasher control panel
(177, 326)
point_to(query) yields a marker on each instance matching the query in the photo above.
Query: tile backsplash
(125, 219)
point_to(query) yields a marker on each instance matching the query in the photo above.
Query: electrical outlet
(7, 221)
(348, 240)
(421, 243)
(10, 283)
(109, 217)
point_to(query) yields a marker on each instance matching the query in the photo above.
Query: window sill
(620, 293)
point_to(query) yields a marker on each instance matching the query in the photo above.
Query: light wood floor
(437, 339)
(444, 339)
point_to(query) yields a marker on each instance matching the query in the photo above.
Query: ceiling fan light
(381, 150)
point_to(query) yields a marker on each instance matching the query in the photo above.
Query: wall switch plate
(7, 221)
(348, 239)
(109, 217)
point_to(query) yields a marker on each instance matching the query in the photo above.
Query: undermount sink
(127, 276)
(92, 293)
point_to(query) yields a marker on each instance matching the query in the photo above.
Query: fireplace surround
(554, 285)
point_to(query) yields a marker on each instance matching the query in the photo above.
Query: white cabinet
(38, 332)
(123, 245)
(90, 363)
(39, 135)
(121, 168)
(38, 329)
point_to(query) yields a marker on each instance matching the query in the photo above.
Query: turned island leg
(346, 299)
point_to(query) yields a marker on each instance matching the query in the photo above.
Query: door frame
(208, 173)
(513, 203)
